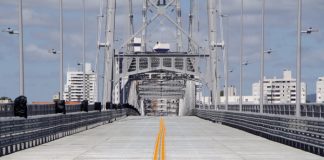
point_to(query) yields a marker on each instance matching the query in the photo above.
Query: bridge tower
(170, 72)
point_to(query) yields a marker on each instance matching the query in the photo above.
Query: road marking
(159, 149)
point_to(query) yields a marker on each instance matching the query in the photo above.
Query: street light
(310, 30)
(83, 49)
(62, 51)
(269, 51)
(54, 51)
(245, 63)
(298, 63)
(10, 31)
(262, 58)
(21, 55)
(21, 49)
(241, 55)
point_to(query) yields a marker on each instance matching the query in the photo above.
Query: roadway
(186, 138)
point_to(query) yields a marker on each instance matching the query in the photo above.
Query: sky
(41, 33)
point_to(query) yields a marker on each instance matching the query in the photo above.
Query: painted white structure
(73, 89)
(280, 90)
(161, 47)
(320, 90)
(236, 99)
(231, 91)
(137, 44)
(5, 101)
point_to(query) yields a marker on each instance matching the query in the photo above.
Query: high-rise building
(73, 89)
(320, 90)
(231, 91)
(282, 90)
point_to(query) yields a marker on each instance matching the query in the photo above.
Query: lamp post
(21, 49)
(269, 51)
(54, 51)
(11, 31)
(262, 59)
(298, 63)
(241, 57)
(83, 49)
(61, 48)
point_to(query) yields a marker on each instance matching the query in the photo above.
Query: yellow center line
(163, 143)
(160, 141)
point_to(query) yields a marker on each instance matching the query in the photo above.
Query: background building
(231, 91)
(233, 98)
(320, 90)
(280, 90)
(236, 99)
(73, 89)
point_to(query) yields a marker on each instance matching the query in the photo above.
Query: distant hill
(311, 98)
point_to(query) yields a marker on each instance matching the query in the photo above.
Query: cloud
(36, 53)
(36, 18)
(41, 19)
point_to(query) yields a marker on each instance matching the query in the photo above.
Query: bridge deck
(186, 138)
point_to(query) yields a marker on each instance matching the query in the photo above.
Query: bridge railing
(7, 110)
(20, 133)
(313, 110)
(277, 123)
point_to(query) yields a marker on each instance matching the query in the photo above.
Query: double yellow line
(159, 149)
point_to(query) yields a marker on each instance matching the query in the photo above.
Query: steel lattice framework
(133, 76)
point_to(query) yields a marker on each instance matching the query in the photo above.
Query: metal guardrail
(303, 133)
(314, 110)
(6, 110)
(20, 133)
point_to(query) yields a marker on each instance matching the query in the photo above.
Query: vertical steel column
(110, 32)
(212, 14)
(298, 63)
(144, 14)
(179, 33)
(61, 49)
(262, 59)
(21, 51)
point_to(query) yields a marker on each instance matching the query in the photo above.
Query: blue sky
(41, 32)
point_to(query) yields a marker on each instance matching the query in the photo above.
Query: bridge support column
(189, 101)
(142, 108)
(181, 107)
(212, 16)
(109, 55)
